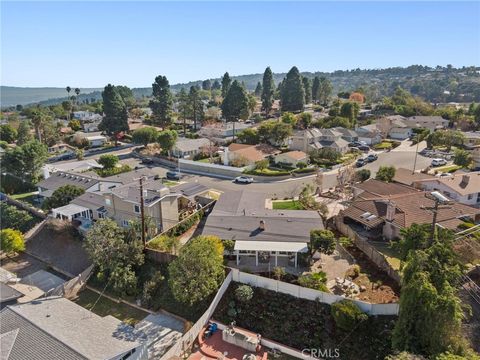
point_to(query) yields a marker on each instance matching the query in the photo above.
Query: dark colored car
(372, 157)
(363, 148)
(360, 162)
(173, 175)
(147, 161)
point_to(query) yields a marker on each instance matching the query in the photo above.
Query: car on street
(243, 180)
(356, 143)
(361, 162)
(372, 157)
(363, 148)
(147, 161)
(439, 162)
(173, 175)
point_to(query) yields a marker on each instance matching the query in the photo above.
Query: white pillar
(276, 255)
(256, 258)
(295, 259)
(238, 257)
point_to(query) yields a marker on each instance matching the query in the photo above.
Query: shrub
(261, 165)
(108, 161)
(347, 314)
(462, 158)
(315, 281)
(165, 243)
(279, 272)
(15, 218)
(229, 245)
(182, 227)
(345, 241)
(113, 171)
(151, 287)
(12, 241)
(385, 173)
(244, 293)
(13, 185)
(301, 165)
(353, 272)
(362, 175)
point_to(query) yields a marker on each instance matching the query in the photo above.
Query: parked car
(243, 180)
(361, 162)
(372, 157)
(173, 175)
(439, 162)
(147, 161)
(357, 143)
(363, 148)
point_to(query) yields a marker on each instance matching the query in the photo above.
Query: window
(124, 223)
(108, 202)
(470, 196)
(101, 215)
(136, 208)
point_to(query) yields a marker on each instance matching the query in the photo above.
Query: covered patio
(270, 252)
(71, 212)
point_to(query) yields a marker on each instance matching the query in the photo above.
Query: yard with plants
(287, 205)
(386, 145)
(103, 306)
(301, 323)
(447, 168)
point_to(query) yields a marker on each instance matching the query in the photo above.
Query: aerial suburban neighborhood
(328, 209)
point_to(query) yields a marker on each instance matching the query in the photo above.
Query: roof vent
(371, 217)
(365, 215)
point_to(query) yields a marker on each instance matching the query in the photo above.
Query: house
(57, 328)
(347, 134)
(406, 177)
(243, 154)
(223, 132)
(384, 216)
(314, 139)
(291, 158)
(8, 295)
(278, 235)
(78, 166)
(373, 188)
(61, 148)
(463, 187)
(47, 186)
(89, 120)
(472, 139)
(188, 148)
(429, 122)
(475, 153)
(95, 139)
(370, 134)
(394, 127)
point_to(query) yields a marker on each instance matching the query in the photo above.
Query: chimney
(465, 180)
(262, 225)
(390, 211)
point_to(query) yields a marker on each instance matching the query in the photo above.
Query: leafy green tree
(304, 120)
(268, 90)
(145, 136)
(323, 241)
(307, 87)
(167, 139)
(447, 138)
(12, 241)
(108, 161)
(115, 119)
(74, 125)
(195, 106)
(62, 196)
(293, 93)
(8, 133)
(206, 84)
(324, 91)
(38, 117)
(317, 281)
(350, 111)
(325, 156)
(249, 136)
(127, 96)
(198, 271)
(162, 102)
(26, 161)
(23, 132)
(114, 254)
(289, 118)
(274, 132)
(315, 89)
(347, 314)
(235, 103)
(258, 89)
(226, 83)
(415, 237)
(462, 158)
(385, 173)
(15, 218)
(216, 85)
(279, 272)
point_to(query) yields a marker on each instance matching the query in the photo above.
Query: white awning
(271, 246)
(69, 210)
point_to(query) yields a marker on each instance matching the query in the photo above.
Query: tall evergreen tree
(258, 89)
(216, 85)
(235, 104)
(23, 132)
(184, 108)
(115, 119)
(226, 82)
(293, 93)
(315, 89)
(268, 90)
(162, 102)
(307, 87)
(206, 84)
(195, 106)
(324, 91)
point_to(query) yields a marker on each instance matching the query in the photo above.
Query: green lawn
(105, 306)
(26, 197)
(287, 205)
(391, 255)
(447, 168)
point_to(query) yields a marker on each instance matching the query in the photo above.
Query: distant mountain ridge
(440, 84)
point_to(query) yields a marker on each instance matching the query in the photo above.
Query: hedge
(113, 171)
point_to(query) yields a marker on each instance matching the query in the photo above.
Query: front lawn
(287, 205)
(447, 168)
(302, 324)
(104, 306)
(267, 172)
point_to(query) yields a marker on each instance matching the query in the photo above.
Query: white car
(439, 162)
(243, 180)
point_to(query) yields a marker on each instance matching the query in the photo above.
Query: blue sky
(89, 44)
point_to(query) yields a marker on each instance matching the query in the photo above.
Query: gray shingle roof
(60, 178)
(7, 293)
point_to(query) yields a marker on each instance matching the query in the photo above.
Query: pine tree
(293, 93)
(195, 106)
(268, 91)
(162, 102)
(258, 89)
(115, 119)
(226, 82)
(307, 87)
(206, 84)
(216, 85)
(184, 108)
(324, 91)
(235, 104)
(315, 89)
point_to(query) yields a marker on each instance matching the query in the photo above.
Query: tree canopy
(145, 136)
(115, 119)
(274, 132)
(385, 173)
(12, 241)
(268, 90)
(162, 102)
(8, 133)
(292, 92)
(167, 139)
(62, 196)
(26, 161)
(226, 82)
(323, 241)
(235, 103)
(108, 161)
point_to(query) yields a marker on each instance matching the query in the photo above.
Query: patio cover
(271, 246)
(70, 210)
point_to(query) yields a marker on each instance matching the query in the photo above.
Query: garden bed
(302, 324)
(287, 205)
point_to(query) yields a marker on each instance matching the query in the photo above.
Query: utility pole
(142, 213)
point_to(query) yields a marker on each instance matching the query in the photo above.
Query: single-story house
(400, 133)
(96, 140)
(314, 139)
(222, 132)
(57, 328)
(291, 158)
(430, 122)
(406, 177)
(189, 147)
(347, 134)
(475, 153)
(60, 148)
(373, 188)
(472, 139)
(259, 233)
(369, 134)
(247, 154)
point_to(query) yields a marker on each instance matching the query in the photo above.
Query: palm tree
(68, 88)
(38, 118)
(77, 92)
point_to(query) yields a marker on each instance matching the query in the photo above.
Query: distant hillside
(11, 95)
(440, 84)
